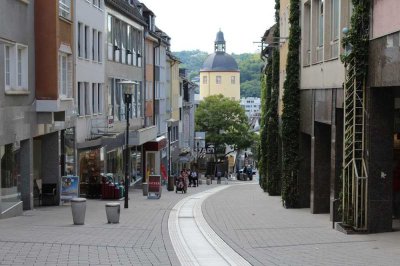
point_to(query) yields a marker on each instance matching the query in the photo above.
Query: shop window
(10, 175)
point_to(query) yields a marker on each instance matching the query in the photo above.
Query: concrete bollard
(113, 211)
(78, 207)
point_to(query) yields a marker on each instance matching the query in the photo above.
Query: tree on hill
(224, 122)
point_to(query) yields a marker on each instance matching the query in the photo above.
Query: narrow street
(255, 227)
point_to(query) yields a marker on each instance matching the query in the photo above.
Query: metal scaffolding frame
(355, 177)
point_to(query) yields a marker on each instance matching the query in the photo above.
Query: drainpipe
(154, 79)
(145, 32)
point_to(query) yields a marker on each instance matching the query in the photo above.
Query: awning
(156, 145)
(143, 135)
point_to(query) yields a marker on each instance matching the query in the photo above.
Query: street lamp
(127, 87)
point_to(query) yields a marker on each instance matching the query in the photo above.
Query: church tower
(220, 73)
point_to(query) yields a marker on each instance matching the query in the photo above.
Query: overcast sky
(193, 24)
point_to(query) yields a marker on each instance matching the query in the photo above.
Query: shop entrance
(396, 163)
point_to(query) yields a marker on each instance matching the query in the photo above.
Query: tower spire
(219, 44)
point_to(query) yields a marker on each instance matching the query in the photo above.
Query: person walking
(195, 178)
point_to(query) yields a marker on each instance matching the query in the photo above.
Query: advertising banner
(154, 186)
(69, 187)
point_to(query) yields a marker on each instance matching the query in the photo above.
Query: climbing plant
(273, 161)
(356, 43)
(291, 114)
(266, 98)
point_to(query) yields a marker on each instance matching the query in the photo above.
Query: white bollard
(78, 207)
(113, 211)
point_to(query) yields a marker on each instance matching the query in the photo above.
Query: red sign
(154, 184)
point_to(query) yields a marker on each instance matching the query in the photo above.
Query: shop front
(91, 169)
(156, 160)
(10, 193)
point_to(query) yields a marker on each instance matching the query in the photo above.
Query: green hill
(249, 65)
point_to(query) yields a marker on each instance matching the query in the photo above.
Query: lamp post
(127, 87)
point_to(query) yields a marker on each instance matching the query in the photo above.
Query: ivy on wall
(291, 113)
(273, 160)
(357, 38)
(265, 102)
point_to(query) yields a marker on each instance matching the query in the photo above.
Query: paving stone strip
(194, 241)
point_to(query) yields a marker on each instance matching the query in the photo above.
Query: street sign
(210, 149)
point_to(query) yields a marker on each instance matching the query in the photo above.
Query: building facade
(17, 92)
(220, 73)
(90, 91)
(125, 62)
(382, 128)
(251, 105)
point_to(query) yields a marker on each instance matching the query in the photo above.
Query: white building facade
(251, 105)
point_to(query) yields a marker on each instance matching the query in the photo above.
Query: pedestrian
(219, 175)
(194, 178)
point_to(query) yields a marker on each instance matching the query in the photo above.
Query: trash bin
(145, 188)
(171, 183)
(78, 207)
(113, 211)
(208, 181)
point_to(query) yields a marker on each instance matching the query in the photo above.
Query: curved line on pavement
(194, 241)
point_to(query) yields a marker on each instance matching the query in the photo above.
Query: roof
(127, 9)
(220, 37)
(220, 61)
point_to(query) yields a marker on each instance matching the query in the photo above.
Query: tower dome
(220, 60)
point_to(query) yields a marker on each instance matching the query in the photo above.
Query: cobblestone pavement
(257, 227)
(47, 236)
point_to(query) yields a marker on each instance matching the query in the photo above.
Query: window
(99, 47)
(87, 40)
(94, 45)
(124, 42)
(15, 67)
(64, 8)
(335, 20)
(149, 90)
(95, 102)
(63, 75)
(97, 3)
(88, 107)
(81, 98)
(233, 80)
(335, 28)
(80, 38)
(7, 66)
(218, 79)
(100, 98)
(321, 23)
(307, 34)
(110, 38)
(19, 69)
(204, 79)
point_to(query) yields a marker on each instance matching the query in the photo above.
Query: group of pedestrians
(190, 177)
